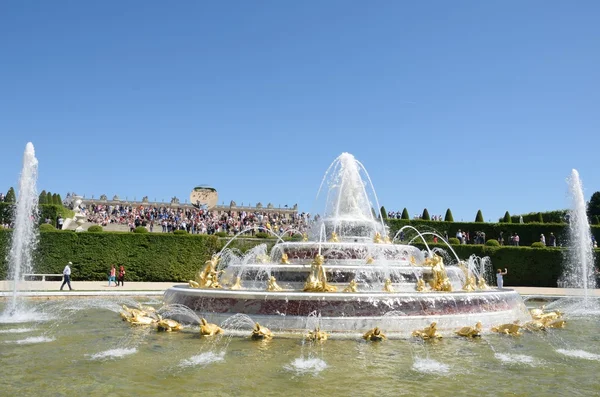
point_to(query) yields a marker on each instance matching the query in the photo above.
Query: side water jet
(24, 235)
(579, 267)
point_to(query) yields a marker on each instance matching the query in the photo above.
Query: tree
(42, 198)
(48, 198)
(10, 197)
(540, 218)
(507, 218)
(59, 199)
(425, 215)
(383, 212)
(55, 199)
(594, 205)
(479, 217)
(405, 214)
(448, 217)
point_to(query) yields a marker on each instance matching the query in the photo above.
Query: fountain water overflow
(349, 274)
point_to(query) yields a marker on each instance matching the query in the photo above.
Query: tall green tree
(507, 218)
(405, 214)
(42, 198)
(55, 199)
(479, 217)
(58, 199)
(48, 198)
(448, 217)
(596, 220)
(383, 213)
(594, 205)
(10, 197)
(425, 215)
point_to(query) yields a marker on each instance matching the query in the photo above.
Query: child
(499, 278)
(111, 275)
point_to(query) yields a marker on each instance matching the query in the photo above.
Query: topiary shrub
(179, 231)
(46, 227)
(492, 243)
(448, 217)
(538, 244)
(95, 229)
(425, 215)
(479, 216)
(454, 241)
(383, 213)
(405, 214)
(140, 229)
(221, 234)
(261, 235)
(507, 218)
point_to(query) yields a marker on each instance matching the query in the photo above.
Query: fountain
(579, 267)
(350, 274)
(24, 236)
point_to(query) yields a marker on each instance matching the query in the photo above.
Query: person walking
(500, 278)
(121, 278)
(67, 276)
(111, 275)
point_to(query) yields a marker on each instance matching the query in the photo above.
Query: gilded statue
(334, 238)
(208, 329)
(387, 286)
(470, 332)
(512, 329)
(413, 261)
(427, 333)
(377, 239)
(208, 277)
(547, 319)
(482, 285)
(284, 259)
(168, 325)
(370, 260)
(534, 325)
(141, 316)
(238, 283)
(263, 258)
(193, 284)
(470, 284)
(374, 335)
(272, 285)
(317, 335)
(304, 237)
(421, 287)
(440, 280)
(260, 332)
(317, 279)
(352, 286)
(387, 240)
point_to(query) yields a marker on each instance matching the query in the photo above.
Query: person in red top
(121, 277)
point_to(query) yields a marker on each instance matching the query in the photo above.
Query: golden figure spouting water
(317, 279)
(284, 259)
(482, 285)
(387, 286)
(168, 325)
(429, 332)
(208, 329)
(377, 239)
(421, 287)
(352, 286)
(334, 237)
(370, 260)
(440, 280)
(208, 277)
(237, 284)
(387, 240)
(317, 335)
(374, 335)
(304, 237)
(470, 332)
(260, 332)
(272, 285)
(513, 329)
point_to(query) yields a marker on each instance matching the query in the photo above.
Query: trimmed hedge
(492, 243)
(146, 257)
(95, 229)
(46, 227)
(140, 230)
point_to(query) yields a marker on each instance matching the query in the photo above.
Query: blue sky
(464, 104)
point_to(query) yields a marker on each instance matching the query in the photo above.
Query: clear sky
(462, 104)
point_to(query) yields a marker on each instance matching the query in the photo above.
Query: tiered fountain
(348, 272)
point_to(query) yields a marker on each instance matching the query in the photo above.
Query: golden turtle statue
(429, 332)
(352, 286)
(260, 332)
(272, 285)
(470, 332)
(284, 259)
(374, 335)
(387, 286)
(208, 329)
(317, 335)
(168, 325)
(512, 329)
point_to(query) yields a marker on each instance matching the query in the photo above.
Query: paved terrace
(100, 288)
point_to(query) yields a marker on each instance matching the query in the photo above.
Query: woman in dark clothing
(121, 277)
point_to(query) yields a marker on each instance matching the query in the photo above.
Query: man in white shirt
(67, 276)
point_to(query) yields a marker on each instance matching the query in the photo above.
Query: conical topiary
(507, 218)
(448, 217)
(405, 214)
(42, 198)
(10, 197)
(479, 217)
(48, 198)
(425, 215)
(59, 199)
(383, 213)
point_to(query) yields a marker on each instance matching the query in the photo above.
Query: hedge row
(146, 257)
(529, 233)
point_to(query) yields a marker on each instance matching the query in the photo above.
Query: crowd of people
(196, 220)
(398, 215)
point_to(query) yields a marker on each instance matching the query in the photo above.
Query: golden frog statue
(374, 335)
(470, 332)
(470, 285)
(558, 323)
(208, 277)
(317, 280)
(237, 284)
(334, 238)
(138, 316)
(168, 325)
(512, 329)
(272, 285)
(317, 335)
(370, 260)
(387, 286)
(534, 325)
(537, 312)
(377, 239)
(352, 286)
(284, 259)
(421, 287)
(482, 285)
(429, 332)
(208, 329)
(260, 332)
